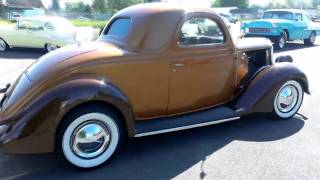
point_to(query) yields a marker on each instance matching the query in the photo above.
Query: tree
(315, 3)
(231, 3)
(55, 5)
(116, 5)
(99, 6)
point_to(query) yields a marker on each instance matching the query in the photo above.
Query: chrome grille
(259, 30)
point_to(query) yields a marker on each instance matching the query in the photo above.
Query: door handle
(177, 65)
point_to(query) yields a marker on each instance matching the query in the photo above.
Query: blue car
(282, 25)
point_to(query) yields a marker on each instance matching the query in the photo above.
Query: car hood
(267, 23)
(246, 44)
(71, 56)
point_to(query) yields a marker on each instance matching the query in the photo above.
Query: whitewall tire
(3, 45)
(50, 47)
(90, 139)
(288, 99)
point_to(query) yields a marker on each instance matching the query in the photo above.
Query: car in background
(14, 17)
(282, 25)
(229, 17)
(38, 32)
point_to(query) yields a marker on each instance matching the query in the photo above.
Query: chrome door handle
(178, 65)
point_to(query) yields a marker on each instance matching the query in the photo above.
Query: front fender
(259, 95)
(35, 128)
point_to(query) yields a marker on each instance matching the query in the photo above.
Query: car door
(38, 34)
(20, 36)
(202, 69)
(298, 32)
(307, 20)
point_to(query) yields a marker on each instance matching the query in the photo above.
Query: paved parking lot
(254, 147)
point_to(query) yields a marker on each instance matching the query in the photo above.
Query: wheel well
(5, 42)
(86, 105)
(287, 32)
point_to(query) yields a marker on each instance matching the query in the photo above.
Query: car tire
(280, 44)
(3, 45)
(50, 47)
(288, 100)
(311, 40)
(89, 136)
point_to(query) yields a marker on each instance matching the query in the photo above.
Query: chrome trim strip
(185, 127)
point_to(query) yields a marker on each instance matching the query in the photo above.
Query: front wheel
(288, 99)
(3, 45)
(90, 137)
(282, 41)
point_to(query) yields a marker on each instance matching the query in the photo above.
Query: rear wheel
(282, 40)
(90, 136)
(288, 99)
(51, 47)
(311, 40)
(3, 45)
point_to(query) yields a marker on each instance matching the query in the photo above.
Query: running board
(192, 120)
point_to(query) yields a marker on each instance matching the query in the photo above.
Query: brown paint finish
(138, 75)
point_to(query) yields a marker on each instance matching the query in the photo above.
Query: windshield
(119, 27)
(60, 23)
(278, 15)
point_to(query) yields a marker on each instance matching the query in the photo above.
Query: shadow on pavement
(22, 53)
(294, 46)
(155, 157)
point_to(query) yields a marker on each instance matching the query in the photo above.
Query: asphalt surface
(255, 147)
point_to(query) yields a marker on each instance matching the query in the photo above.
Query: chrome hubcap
(2, 45)
(287, 98)
(51, 47)
(90, 139)
(282, 42)
(313, 38)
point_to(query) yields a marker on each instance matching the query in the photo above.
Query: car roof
(288, 10)
(152, 24)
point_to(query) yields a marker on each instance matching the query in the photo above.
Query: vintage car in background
(229, 17)
(281, 25)
(156, 68)
(38, 32)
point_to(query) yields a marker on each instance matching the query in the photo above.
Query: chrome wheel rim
(90, 139)
(282, 42)
(287, 98)
(51, 47)
(3, 45)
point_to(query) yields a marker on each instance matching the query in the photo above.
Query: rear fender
(259, 95)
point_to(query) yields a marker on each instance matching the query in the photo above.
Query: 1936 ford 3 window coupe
(155, 69)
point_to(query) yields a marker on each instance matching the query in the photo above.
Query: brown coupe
(156, 68)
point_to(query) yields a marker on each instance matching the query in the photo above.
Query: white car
(38, 32)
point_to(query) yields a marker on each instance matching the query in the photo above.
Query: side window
(298, 16)
(306, 18)
(201, 31)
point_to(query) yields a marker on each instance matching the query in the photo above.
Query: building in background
(12, 10)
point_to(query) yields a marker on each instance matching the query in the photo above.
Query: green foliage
(95, 24)
(231, 3)
(99, 6)
(78, 7)
(116, 5)
(315, 3)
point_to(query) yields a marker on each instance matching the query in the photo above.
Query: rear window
(119, 27)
